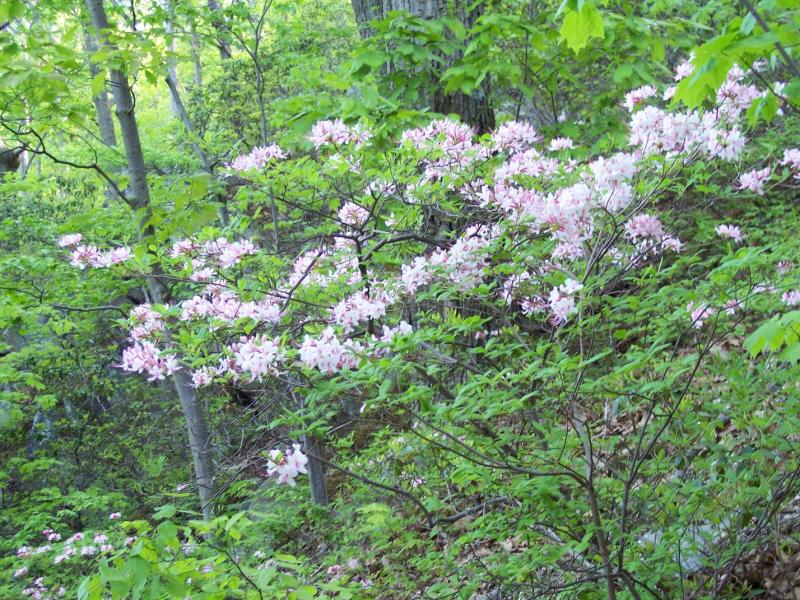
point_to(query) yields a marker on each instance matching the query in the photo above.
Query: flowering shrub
(508, 193)
(457, 285)
(136, 559)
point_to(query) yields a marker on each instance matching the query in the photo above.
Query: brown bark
(474, 108)
(9, 160)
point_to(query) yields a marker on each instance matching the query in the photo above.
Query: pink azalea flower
(70, 240)
(639, 95)
(754, 180)
(730, 231)
(791, 298)
(352, 214)
(286, 466)
(561, 143)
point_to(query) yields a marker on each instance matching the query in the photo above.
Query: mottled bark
(139, 199)
(474, 108)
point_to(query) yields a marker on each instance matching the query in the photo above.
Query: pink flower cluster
(51, 535)
(287, 465)
(639, 95)
(144, 357)
(562, 300)
(449, 147)
(730, 231)
(228, 253)
(328, 354)
(70, 240)
(754, 180)
(228, 307)
(656, 131)
(514, 136)
(791, 159)
(415, 275)
(359, 307)
(258, 158)
(146, 322)
(734, 96)
(352, 214)
(561, 143)
(220, 250)
(791, 298)
(338, 133)
(529, 163)
(648, 233)
(257, 356)
(466, 259)
(90, 256)
(389, 333)
(699, 313)
(37, 590)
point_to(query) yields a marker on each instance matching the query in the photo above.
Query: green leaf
(747, 24)
(305, 592)
(98, 83)
(581, 26)
(46, 401)
(366, 61)
(165, 512)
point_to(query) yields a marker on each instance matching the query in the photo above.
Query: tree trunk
(316, 473)
(199, 441)
(473, 108)
(199, 435)
(315, 467)
(172, 64)
(101, 107)
(198, 66)
(208, 166)
(180, 112)
(224, 48)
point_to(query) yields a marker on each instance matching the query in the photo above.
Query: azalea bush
(139, 559)
(497, 349)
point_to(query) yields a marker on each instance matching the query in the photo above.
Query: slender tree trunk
(316, 474)
(474, 108)
(262, 111)
(206, 163)
(172, 63)
(101, 107)
(198, 65)
(224, 48)
(180, 112)
(199, 435)
(199, 440)
(315, 468)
